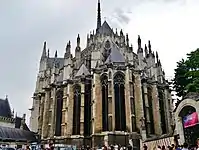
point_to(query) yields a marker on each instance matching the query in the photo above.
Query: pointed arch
(104, 90)
(76, 109)
(132, 102)
(59, 99)
(120, 117)
(150, 124)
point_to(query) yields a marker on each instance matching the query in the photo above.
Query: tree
(186, 77)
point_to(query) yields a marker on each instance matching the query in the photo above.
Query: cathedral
(104, 94)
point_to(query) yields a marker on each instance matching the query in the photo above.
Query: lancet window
(120, 117)
(151, 129)
(104, 87)
(76, 109)
(162, 110)
(59, 99)
(87, 108)
(132, 93)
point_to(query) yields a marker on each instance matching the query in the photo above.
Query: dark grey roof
(14, 134)
(60, 61)
(18, 121)
(115, 55)
(82, 71)
(105, 29)
(5, 110)
(60, 77)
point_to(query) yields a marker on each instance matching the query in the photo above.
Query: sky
(171, 25)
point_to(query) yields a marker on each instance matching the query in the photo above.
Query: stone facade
(100, 95)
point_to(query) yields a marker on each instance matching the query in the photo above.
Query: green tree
(186, 77)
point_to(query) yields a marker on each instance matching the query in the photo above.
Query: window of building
(120, 115)
(59, 99)
(151, 129)
(76, 109)
(104, 87)
(87, 107)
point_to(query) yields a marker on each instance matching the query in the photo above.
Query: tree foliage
(186, 77)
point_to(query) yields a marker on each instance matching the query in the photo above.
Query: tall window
(162, 111)
(151, 129)
(59, 98)
(76, 109)
(120, 117)
(87, 108)
(104, 85)
(132, 93)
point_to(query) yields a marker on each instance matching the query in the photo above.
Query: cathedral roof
(105, 29)
(60, 61)
(115, 55)
(60, 77)
(82, 71)
(5, 110)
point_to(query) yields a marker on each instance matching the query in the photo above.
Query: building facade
(104, 94)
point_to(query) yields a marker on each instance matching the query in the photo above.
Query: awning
(152, 145)
(14, 134)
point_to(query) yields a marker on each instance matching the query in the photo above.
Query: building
(188, 107)
(104, 94)
(13, 128)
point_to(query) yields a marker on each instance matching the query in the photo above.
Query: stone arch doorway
(190, 133)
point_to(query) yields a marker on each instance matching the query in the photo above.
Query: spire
(146, 50)
(48, 53)
(6, 97)
(44, 50)
(56, 54)
(139, 42)
(157, 57)
(149, 46)
(127, 39)
(67, 53)
(121, 32)
(98, 15)
(78, 41)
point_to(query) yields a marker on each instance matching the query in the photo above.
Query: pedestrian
(159, 147)
(27, 147)
(145, 147)
(163, 147)
(197, 144)
(185, 146)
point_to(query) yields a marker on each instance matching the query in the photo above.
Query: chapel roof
(82, 71)
(5, 110)
(105, 29)
(115, 55)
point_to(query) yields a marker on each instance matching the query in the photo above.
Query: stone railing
(8, 120)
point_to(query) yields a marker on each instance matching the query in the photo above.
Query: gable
(82, 71)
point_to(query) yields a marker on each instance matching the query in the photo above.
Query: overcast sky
(171, 25)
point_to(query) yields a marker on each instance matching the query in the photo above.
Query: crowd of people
(185, 146)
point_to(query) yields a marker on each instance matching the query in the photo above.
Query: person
(185, 146)
(197, 144)
(163, 147)
(42, 147)
(27, 147)
(145, 147)
(51, 147)
(159, 147)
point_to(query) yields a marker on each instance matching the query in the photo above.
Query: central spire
(98, 16)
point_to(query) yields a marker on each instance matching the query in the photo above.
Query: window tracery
(76, 109)
(104, 87)
(120, 113)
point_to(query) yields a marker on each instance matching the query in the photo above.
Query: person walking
(185, 146)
